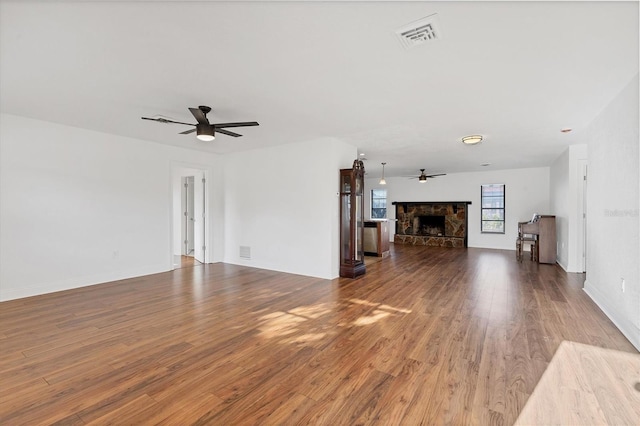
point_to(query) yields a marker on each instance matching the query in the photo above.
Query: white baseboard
(77, 282)
(626, 327)
(562, 265)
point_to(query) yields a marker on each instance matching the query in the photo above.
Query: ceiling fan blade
(199, 115)
(440, 174)
(226, 132)
(239, 124)
(164, 120)
(186, 132)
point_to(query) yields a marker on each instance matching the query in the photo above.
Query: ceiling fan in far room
(205, 131)
(423, 177)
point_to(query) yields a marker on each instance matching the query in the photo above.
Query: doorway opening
(190, 223)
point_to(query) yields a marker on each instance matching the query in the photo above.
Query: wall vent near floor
(245, 252)
(420, 31)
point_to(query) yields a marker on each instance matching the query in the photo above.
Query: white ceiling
(515, 72)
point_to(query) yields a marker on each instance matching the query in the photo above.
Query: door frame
(178, 171)
(582, 216)
(187, 235)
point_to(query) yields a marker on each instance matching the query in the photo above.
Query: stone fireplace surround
(432, 223)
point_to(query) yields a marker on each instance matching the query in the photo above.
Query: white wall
(79, 207)
(527, 192)
(282, 202)
(612, 212)
(566, 204)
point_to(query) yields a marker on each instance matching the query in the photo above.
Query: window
(492, 206)
(378, 203)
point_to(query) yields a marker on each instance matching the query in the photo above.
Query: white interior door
(199, 229)
(188, 212)
(582, 216)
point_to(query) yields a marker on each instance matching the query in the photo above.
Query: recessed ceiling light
(472, 140)
(566, 130)
(362, 154)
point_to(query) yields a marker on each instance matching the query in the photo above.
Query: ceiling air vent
(420, 31)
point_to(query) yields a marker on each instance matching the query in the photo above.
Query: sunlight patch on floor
(294, 324)
(585, 384)
(376, 316)
(311, 311)
(279, 324)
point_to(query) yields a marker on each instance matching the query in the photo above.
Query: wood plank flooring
(586, 385)
(427, 336)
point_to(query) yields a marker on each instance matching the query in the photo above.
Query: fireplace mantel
(430, 202)
(414, 227)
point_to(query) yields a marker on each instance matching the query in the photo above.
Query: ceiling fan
(423, 177)
(205, 131)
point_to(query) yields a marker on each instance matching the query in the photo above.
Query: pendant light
(382, 181)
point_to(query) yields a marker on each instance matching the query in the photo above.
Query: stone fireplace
(432, 223)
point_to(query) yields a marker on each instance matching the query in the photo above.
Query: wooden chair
(519, 249)
(535, 247)
(523, 239)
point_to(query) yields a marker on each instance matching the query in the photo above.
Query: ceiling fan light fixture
(382, 181)
(205, 132)
(472, 139)
(422, 179)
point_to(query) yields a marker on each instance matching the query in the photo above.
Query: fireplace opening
(431, 225)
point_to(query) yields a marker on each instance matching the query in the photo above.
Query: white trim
(79, 282)
(630, 331)
(562, 265)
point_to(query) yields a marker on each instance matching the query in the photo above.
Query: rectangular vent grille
(245, 252)
(419, 32)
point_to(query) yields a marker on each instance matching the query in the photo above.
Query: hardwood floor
(586, 385)
(185, 262)
(427, 336)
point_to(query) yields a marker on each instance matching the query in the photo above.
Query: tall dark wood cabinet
(352, 220)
